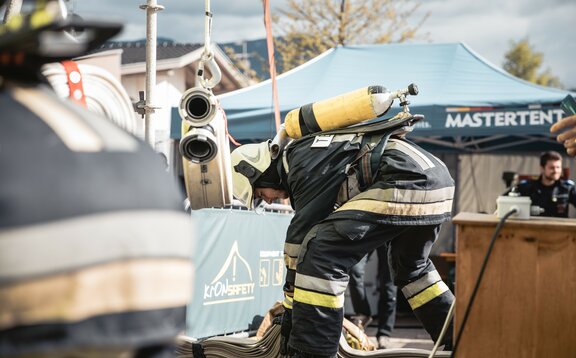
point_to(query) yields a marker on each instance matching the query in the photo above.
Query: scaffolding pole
(151, 39)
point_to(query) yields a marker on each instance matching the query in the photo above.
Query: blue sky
(487, 26)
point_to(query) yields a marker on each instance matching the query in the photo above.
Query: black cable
(479, 279)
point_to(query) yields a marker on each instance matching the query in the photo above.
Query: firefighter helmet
(249, 161)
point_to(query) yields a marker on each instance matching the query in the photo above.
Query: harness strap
(369, 161)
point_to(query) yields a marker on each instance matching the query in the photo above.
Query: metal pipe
(151, 33)
(208, 58)
(207, 25)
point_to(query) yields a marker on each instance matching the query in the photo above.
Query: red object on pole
(271, 63)
(74, 80)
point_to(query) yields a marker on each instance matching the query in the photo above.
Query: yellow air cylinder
(337, 112)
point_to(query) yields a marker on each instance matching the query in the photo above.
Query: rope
(271, 63)
(230, 138)
(104, 94)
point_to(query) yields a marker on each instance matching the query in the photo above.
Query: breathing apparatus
(344, 110)
(331, 115)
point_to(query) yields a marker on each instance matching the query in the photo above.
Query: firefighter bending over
(352, 193)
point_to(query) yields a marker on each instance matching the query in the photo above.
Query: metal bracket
(141, 108)
(155, 8)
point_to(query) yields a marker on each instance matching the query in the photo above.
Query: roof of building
(135, 51)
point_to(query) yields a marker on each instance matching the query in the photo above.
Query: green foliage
(309, 27)
(524, 62)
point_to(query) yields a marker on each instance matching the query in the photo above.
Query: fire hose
(104, 94)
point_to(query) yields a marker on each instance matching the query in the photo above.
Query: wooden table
(526, 303)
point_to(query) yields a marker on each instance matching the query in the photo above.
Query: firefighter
(94, 245)
(352, 193)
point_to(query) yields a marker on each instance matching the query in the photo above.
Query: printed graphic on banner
(271, 268)
(278, 279)
(232, 283)
(264, 273)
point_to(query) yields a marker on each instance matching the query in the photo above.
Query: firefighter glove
(285, 330)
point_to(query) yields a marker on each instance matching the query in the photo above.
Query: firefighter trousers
(328, 253)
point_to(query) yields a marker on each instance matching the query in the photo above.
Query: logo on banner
(233, 282)
(465, 117)
(271, 268)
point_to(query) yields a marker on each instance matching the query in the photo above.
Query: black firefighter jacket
(327, 179)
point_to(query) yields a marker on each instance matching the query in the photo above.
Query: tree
(524, 62)
(310, 27)
(245, 63)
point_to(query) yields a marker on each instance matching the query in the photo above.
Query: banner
(239, 269)
(484, 121)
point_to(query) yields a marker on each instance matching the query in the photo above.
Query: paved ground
(408, 333)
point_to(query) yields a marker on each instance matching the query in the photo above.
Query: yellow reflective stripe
(422, 283)
(407, 195)
(428, 295)
(400, 209)
(120, 286)
(288, 301)
(292, 249)
(15, 22)
(318, 299)
(290, 262)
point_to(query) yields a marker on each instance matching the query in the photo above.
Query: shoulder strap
(369, 163)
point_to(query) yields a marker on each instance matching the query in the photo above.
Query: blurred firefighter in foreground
(352, 193)
(94, 246)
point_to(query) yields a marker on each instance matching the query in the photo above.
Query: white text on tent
(504, 118)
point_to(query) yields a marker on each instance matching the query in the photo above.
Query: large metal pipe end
(199, 145)
(198, 106)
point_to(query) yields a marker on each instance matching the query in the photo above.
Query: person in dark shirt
(549, 192)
